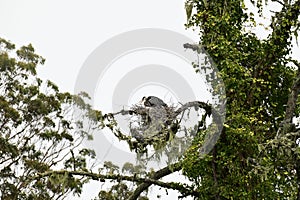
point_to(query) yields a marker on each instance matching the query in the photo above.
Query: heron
(152, 101)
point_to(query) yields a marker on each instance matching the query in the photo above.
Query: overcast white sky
(66, 32)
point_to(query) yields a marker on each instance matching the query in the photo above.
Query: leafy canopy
(256, 157)
(39, 130)
(250, 161)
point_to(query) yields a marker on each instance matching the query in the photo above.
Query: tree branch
(286, 124)
(292, 100)
(196, 104)
(195, 47)
(157, 175)
(144, 182)
(141, 111)
(278, 2)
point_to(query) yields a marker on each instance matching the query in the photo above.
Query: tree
(256, 157)
(39, 130)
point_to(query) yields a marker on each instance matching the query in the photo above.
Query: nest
(151, 122)
(153, 125)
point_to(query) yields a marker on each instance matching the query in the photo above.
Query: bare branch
(195, 47)
(196, 104)
(278, 2)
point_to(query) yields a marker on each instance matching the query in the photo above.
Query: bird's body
(152, 101)
(155, 115)
(153, 118)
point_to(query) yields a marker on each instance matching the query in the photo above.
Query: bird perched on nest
(152, 101)
(155, 117)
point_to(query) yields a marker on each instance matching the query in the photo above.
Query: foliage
(39, 129)
(254, 158)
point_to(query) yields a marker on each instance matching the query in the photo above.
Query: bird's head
(145, 101)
